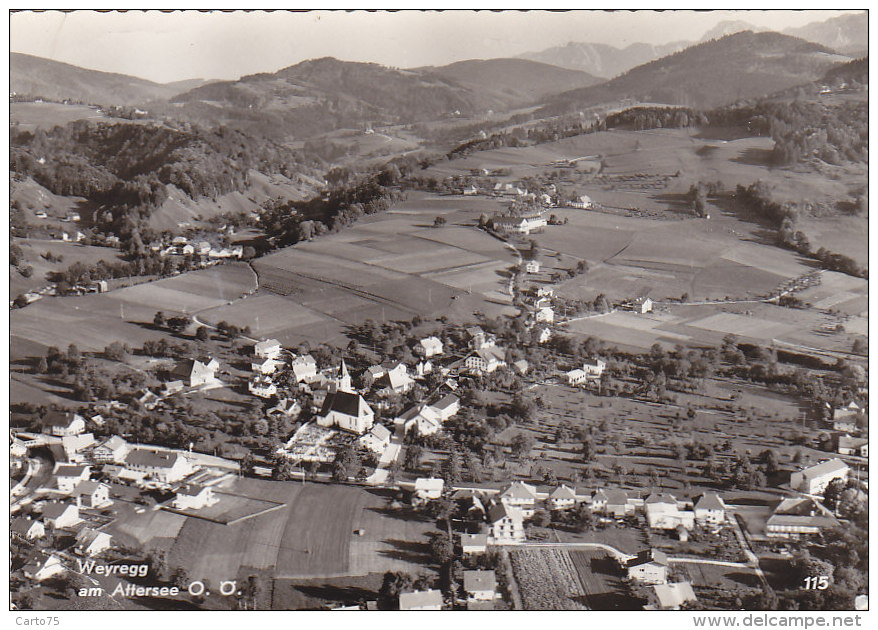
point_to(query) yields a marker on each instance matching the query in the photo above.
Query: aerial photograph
(439, 311)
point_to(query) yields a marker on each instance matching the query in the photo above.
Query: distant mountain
(513, 79)
(35, 76)
(847, 33)
(602, 60)
(718, 72)
(321, 95)
(728, 27)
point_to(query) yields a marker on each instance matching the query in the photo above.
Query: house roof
(793, 520)
(474, 539)
(595, 363)
(563, 492)
(434, 342)
(70, 470)
(649, 556)
(266, 344)
(54, 509)
(86, 487)
(88, 535)
(674, 595)
(381, 432)
(345, 402)
(429, 483)
(191, 489)
(800, 506)
(479, 581)
(710, 501)
(153, 459)
(846, 441)
(661, 497)
(519, 490)
(420, 599)
(616, 497)
(474, 331)
(825, 468)
(60, 419)
(492, 353)
(21, 525)
(498, 511)
(446, 401)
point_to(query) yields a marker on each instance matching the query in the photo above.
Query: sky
(172, 46)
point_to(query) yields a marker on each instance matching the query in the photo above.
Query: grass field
(601, 579)
(29, 116)
(547, 580)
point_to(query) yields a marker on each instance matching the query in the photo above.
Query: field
(547, 580)
(29, 116)
(601, 579)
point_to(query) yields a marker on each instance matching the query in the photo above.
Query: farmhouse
(394, 379)
(612, 502)
(521, 366)
(474, 543)
(662, 512)
(532, 266)
(594, 368)
(640, 305)
(649, 566)
(447, 406)
(479, 339)
(848, 445)
(425, 417)
(92, 494)
(196, 372)
(520, 495)
(577, 377)
(265, 366)
(421, 600)
(194, 496)
(673, 596)
(262, 387)
(545, 315)
(62, 424)
(347, 411)
(91, 542)
(562, 498)
(710, 509)
(423, 368)
(427, 489)
(584, 202)
(430, 347)
(813, 480)
(505, 524)
(486, 360)
(523, 224)
(845, 419)
(43, 567)
(111, 451)
(377, 439)
(60, 515)
(163, 466)
(480, 585)
(26, 528)
(304, 368)
(800, 516)
(173, 387)
(67, 476)
(267, 349)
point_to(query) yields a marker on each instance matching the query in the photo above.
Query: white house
(423, 368)
(474, 543)
(91, 542)
(430, 347)
(163, 466)
(814, 479)
(92, 494)
(447, 406)
(43, 567)
(663, 512)
(263, 387)
(173, 387)
(642, 305)
(427, 489)
(543, 335)
(304, 368)
(347, 411)
(68, 476)
(425, 417)
(486, 360)
(394, 379)
(532, 266)
(265, 366)
(562, 498)
(267, 349)
(377, 439)
(545, 315)
(594, 368)
(194, 496)
(110, 451)
(196, 372)
(584, 202)
(27, 529)
(710, 509)
(421, 600)
(848, 445)
(673, 596)
(521, 366)
(505, 524)
(799, 516)
(480, 585)
(61, 423)
(520, 495)
(648, 567)
(60, 515)
(577, 377)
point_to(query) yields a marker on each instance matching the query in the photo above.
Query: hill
(321, 95)
(602, 60)
(846, 33)
(739, 66)
(53, 80)
(513, 79)
(728, 27)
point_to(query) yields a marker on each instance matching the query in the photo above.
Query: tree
(393, 584)
(439, 221)
(20, 301)
(42, 366)
(588, 449)
(159, 320)
(441, 548)
(116, 351)
(203, 333)
(74, 356)
(540, 518)
(248, 253)
(521, 445)
(181, 578)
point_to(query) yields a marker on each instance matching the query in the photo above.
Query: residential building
(111, 451)
(263, 387)
(521, 366)
(641, 305)
(710, 509)
(265, 366)
(162, 466)
(584, 202)
(673, 596)
(562, 498)
(594, 368)
(43, 567)
(612, 502)
(479, 339)
(520, 495)
(267, 349)
(486, 360)
(63, 423)
(347, 411)
(68, 476)
(532, 266)
(427, 489)
(196, 372)
(799, 516)
(423, 368)
(650, 566)
(92, 494)
(480, 585)
(173, 387)
(848, 445)
(304, 368)
(520, 224)
(543, 335)
(545, 315)
(27, 529)
(577, 377)
(91, 542)
(430, 347)
(377, 439)
(194, 496)
(60, 515)
(505, 524)
(474, 543)
(421, 600)
(424, 417)
(663, 512)
(814, 479)
(394, 379)
(447, 406)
